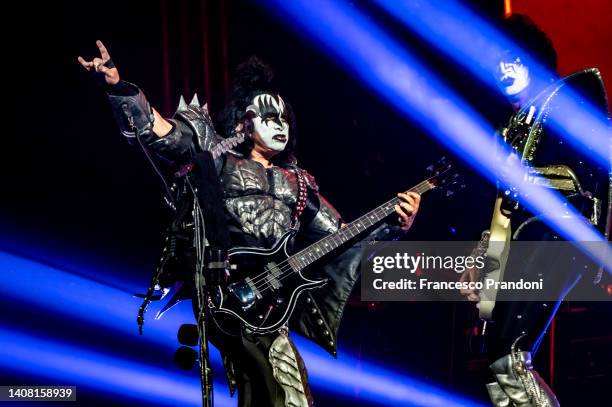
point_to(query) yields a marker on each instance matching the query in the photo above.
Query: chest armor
(258, 201)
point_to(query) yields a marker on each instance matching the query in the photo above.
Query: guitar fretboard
(314, 252)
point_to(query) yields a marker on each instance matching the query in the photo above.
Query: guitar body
(497, 253)
(263, 290)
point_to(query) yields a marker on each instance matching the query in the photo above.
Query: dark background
(75, 189)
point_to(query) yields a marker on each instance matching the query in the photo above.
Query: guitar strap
(300, 204)
(210, 196)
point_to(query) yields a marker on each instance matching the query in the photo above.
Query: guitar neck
(319, 249)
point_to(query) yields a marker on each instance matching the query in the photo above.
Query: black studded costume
(258, 208)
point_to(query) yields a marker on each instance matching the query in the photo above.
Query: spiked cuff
(131, 109)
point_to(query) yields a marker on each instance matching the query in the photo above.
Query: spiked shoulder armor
(199, 122)
(192, 127)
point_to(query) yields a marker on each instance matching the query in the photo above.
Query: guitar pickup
(273, 274)
(253, 288)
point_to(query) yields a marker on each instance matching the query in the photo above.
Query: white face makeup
(270, 125)
(513, 77)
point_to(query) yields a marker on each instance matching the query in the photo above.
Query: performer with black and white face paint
(515, 329)
(270, 124)
(263, 195)
(513, 76)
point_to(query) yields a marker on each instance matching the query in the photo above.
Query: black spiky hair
(522, 29)
(254, 77)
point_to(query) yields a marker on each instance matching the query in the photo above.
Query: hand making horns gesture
(103, 65)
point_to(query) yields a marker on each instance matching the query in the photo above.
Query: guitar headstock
(444, 178)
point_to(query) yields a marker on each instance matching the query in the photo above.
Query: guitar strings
(286, 269)
(282, 265)
(420, 188)
(267, 285)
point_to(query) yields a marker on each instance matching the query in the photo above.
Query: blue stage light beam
(390, 70)
(56, 291)
(366, 379)
(477, 45)
(76, 366)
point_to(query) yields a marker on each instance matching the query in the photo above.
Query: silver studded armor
(258, 201)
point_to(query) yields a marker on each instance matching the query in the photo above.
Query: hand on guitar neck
(407, 208)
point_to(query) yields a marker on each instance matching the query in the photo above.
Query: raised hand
(103, 65)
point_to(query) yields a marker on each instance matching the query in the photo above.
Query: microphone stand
(202, 246)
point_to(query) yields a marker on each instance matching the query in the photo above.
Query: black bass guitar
(265, 284)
